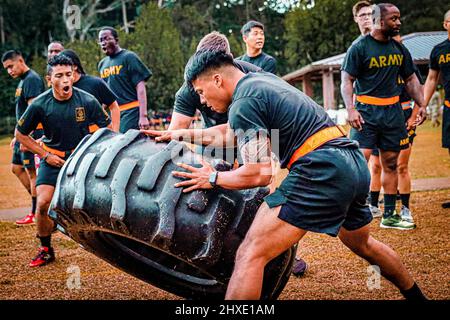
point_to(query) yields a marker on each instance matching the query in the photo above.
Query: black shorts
(324, 191)
(411, 133)
(375, 152)
(48, 174)
(24, 159)
(129, 119)
(383, 128)
(37, 134)
(446, 127)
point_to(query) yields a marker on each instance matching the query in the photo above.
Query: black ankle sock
(414, 293)
(45, 241)
(389, 204)
(33, 205)
(405, 199)
(374, 197)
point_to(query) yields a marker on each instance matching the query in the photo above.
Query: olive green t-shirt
(263, 60)
(187, 101)
(122, 72)
(98, 88)
(377, 65)
(30, 86)
(440, 61)
(262, 102)
(65, 122)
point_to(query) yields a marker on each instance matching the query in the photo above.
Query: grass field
(334, 272)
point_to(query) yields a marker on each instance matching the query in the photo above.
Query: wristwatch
(44, 158)
(213, 178)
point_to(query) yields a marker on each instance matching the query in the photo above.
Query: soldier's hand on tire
(167, 135)
(198, 177)
(355, 119)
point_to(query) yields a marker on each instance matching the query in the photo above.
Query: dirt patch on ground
(334, 272)
(428, 158)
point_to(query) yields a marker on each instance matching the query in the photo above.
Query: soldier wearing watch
(213, 178)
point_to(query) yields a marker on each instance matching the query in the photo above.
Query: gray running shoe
(376, 212)
(406, 214)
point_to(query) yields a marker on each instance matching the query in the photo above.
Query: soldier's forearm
(30, 144)
(142, 98)
(347, 95)
(429, 87)
(415, 91)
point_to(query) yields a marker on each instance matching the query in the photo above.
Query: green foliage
(426, 16)
(236, 44)
(326, 29)
(156, 40)
(7, 90)
(297, 33)
(191, 25)
(90, 54)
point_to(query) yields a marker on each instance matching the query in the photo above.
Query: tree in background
(318, 32)
(156, 40)
(166, 32)
(419, 16)
(191, 25)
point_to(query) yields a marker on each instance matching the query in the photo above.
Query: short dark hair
(75, 59)
(203, 61)
(359, 5)
(246, 28)
(11, 54)
(113, 31)
(58, 60)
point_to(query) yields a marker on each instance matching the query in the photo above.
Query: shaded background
(165, 33)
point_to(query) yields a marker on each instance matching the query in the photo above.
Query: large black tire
(115, 196)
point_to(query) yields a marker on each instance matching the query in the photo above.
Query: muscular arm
(31, 145)
(415, 91)
(347, 89)
(246, 177)
(142, 98)
(256, 171)
(257, 168)
(217, 136)
(430, 85)
(354, 118)
(115, 116)
(180, 121)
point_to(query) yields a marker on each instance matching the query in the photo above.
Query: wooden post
(328, 90)
(307, 86)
